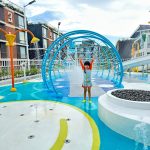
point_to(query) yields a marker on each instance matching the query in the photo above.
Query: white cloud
(117, 17)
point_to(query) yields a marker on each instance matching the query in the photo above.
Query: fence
(32, 67)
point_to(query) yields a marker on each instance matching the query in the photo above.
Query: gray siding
(1, 13)
(124, 48)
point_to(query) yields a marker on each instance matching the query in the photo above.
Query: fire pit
(126, 111)
(133, 95)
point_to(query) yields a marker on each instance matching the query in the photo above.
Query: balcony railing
(35, 67)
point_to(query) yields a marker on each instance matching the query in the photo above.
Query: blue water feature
(110, 140)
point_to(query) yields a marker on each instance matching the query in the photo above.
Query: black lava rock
(133, 95)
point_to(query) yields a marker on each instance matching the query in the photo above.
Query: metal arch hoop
(89, 34)
(55, 55)
(105, 52)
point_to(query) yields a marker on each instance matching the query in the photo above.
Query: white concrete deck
(15, 129)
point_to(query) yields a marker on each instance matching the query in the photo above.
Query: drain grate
(4, 106)
(68, 119)
(37, 121)
(67, 141)
(31, 137)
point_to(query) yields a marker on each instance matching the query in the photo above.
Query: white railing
(136, 62)
(5, 63)
(133, 58)
(32, 67)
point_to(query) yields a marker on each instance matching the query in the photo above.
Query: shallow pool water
(110, 140)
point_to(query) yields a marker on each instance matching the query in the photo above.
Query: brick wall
(9, 17)
(50, 36)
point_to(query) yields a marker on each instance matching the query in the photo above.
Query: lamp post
(149, 21)
(59, 23)
(25, 26)
(10, 38)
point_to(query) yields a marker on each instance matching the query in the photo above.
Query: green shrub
(34, 71)
(4, 72)
(28, 72)
(18, 73)
(1, 74)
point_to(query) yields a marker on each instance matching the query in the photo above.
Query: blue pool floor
(110, 140)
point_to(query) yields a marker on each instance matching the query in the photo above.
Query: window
(3, 51)
(20, 22)
(22, 37)
(55, 36)
(10, 15)
(148, 41)
(22, 52)
(44, 32)
(44, 43)
(141, 44)
(51, 34)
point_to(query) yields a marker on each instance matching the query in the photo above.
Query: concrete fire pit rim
(109, 93)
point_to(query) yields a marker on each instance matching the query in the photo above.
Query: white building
(141, 44)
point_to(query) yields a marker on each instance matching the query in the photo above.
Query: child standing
(87, 84)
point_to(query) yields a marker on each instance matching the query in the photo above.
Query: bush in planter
(4, 72)
(34, 71)
(1, 75)
(18, 73)
(28, 72)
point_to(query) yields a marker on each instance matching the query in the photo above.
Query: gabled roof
(141, 27)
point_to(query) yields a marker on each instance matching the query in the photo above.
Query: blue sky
(114, 18)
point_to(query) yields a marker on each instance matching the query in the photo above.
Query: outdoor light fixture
(59, 23)
(30, 3)
(35, 40)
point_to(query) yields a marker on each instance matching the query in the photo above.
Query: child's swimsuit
(87, 75)
(87, 78)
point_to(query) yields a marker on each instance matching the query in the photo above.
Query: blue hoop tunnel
(60, 43)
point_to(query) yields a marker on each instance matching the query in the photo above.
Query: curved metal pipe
(80, 32)
(55, 55)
